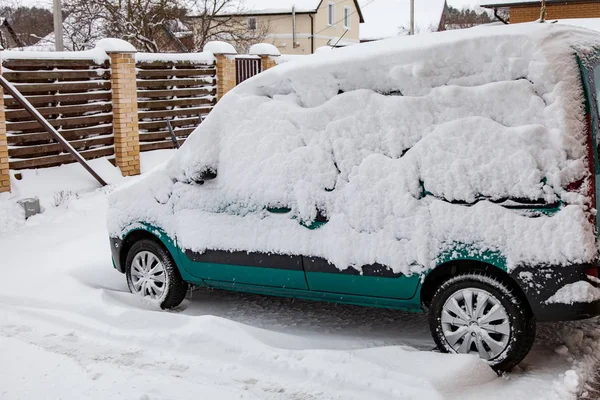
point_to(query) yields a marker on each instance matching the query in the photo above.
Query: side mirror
(206, 174)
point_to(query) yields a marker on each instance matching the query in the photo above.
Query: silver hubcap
(148, 275)
(475, 322)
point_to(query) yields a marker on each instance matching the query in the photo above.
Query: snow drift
(408, 145)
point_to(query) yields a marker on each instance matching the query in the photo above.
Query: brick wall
(555, 11)
(225, 74)
(4, 168)
(125, 113)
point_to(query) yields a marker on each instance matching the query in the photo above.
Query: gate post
(124, 104)
(268, 54)
(4, 167)
(225, 56)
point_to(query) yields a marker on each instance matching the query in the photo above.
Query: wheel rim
(148, 275)
(475, 322)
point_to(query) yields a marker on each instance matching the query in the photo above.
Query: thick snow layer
(97, 54)
(389, 18)
(111, 45)
(205, 57)
(578, 292)
(69, 329)
(218, 47)
(264, 49)
(363, 133)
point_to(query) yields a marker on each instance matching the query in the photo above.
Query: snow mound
(578, 292)
(264, 49)
(407, 146)
(217, 47)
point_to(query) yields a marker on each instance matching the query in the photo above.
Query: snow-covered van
(449, 172)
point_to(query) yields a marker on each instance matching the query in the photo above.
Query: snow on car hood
(389, 140)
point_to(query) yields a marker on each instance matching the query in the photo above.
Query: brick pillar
(124, 105)
(268, 62)
(4, 169)
(226, 74)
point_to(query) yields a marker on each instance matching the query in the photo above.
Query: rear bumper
(541, 283)
(115, 247)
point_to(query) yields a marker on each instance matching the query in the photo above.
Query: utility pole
(412, 17)
(58, 27)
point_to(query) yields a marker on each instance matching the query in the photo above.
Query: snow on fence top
(390, 140)
(97, 55)
(205, 57)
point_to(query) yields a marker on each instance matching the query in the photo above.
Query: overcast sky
(48, 3)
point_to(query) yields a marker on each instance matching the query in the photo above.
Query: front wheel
(151, 273)
(480, 315)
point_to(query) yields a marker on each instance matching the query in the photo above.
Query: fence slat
(168, 73)
(52, 161)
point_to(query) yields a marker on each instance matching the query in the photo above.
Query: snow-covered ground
(69, 329)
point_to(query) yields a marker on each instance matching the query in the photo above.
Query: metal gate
(246, 68)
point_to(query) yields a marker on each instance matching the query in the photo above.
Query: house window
(252, 23)
(331, 14)
(347, 17)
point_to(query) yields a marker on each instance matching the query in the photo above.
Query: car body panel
(376, 285)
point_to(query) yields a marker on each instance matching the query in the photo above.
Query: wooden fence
(181, 90)
(77, 92)
(73, 94)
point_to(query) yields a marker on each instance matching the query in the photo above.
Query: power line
(352, 13)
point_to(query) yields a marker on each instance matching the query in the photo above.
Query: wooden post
(124, 104)
(4, 167)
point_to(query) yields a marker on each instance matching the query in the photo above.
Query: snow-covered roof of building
(390, 139)
(388, 18)
(262, 7)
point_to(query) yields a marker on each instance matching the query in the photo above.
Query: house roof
(388, 18)
(266, 7)
(510, 3)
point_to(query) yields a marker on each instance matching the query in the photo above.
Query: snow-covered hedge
(385, 138)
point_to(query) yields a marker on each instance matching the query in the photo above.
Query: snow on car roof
(390, 140)
(388, 18)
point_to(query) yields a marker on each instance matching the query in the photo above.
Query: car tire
(479, 314)
(152, 273)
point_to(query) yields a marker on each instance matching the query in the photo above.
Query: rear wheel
(480, 315)
(151, 273)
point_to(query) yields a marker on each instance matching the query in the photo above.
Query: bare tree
(141, 22)
(466, 18)
(225, 20)
(28, 23)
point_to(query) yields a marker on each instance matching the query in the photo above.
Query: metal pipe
(172, 133)
(12, 90)
(412, 17)
(293, 27)
(58, 26)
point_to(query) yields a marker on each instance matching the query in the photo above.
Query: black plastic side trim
(318, 264)
(541, 282)
(115, 248)
(250, 259)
